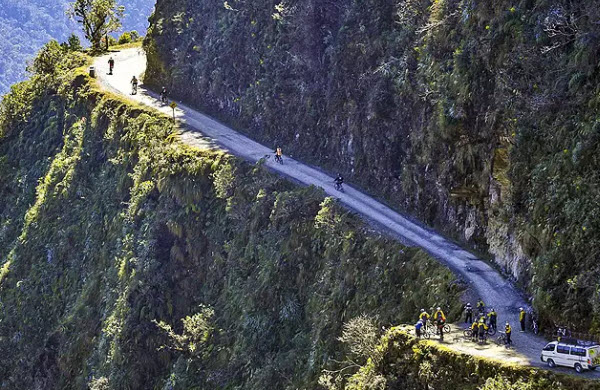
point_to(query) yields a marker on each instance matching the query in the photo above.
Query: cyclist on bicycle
(278, 155)
(339, 180)
(163, 95)
(134, 85)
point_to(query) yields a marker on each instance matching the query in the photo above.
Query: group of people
(439, 318)
(480, 321)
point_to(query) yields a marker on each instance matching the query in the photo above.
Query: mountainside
(130, 261)
(26, 25)
(478, 118)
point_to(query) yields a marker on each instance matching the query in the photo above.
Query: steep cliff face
(128, 260)
(477, 118)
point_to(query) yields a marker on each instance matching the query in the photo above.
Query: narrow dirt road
(201, 130)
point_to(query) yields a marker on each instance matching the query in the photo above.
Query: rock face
(478, 119)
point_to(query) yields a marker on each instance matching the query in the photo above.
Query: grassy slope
(109, 223)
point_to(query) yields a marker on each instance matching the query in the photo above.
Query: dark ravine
(478, 119)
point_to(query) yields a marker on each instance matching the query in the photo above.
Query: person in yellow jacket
(424, 316)
(522, 318)
(482, 330)
(508, 331)
(492, 318)
(474, 330)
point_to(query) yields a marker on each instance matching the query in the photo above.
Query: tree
(47, 59)
(74, 44)
(98, 18)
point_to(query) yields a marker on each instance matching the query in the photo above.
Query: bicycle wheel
(426, 334)
(500, 340)
(447, 328)
(491, 331)
(468, 333)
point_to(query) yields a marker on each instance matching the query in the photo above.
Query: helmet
(439, 308)
(520, 308)
(422, 310)
(506, 322)
(468, 303)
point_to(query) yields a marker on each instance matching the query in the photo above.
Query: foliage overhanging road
(486, 282)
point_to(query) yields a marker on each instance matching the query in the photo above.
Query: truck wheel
(578, 368)
(551, 363)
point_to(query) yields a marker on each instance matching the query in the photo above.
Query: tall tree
(97, 17)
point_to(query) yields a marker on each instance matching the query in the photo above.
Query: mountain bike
(134, 89)
(501, 340)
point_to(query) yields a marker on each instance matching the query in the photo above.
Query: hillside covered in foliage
(26, 25)
(131, 261)
(479, 118)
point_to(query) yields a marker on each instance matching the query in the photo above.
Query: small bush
(125, 38)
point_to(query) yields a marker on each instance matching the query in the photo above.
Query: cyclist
(278, 155)
(163, 95)
(134, 85)
(424, 316)
(522, 318)
(508, 331)
(111, 65)
(339, 180)
(418, 327)
(480, 306)
(492, 317)
(474, 328)
(440, 319)
(482, 330)
(468, 313)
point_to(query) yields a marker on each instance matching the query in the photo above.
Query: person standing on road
(111, 65)
(482, 329)
(418, 327)
(493, 316)
(474, 330)
(423, 317)
(440, 319)
(508, 331)
(468, 313)
(480, 307)
(522, 318)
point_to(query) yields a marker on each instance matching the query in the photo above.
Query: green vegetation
(398, 361)
(479, 118)
(129, 260)
(98, 18)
